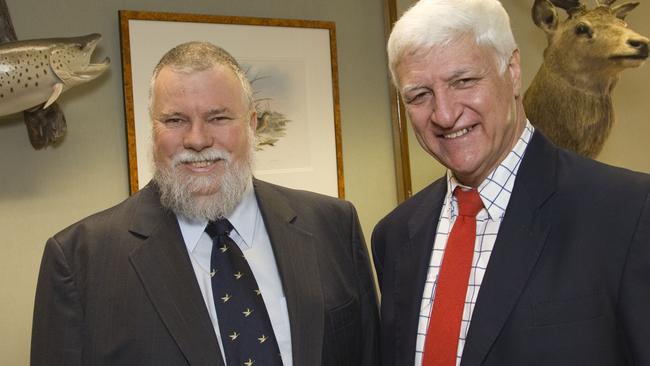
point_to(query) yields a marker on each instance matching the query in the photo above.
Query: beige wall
(628, 145)
(41, 192)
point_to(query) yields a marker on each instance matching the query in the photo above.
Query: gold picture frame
(398, 120)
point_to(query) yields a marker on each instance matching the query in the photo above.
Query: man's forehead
(187, 71)
(215, 79)
(451, 59)
(181, 109)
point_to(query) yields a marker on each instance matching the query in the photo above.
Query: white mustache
(189, 156)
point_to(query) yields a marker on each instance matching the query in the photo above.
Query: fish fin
(56, 91)
(45, 126)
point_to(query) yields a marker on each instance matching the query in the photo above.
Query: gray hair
(432, 23)
(199, 56)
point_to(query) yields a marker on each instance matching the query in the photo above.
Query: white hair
(431, 23)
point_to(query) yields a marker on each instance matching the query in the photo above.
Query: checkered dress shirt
(495, 193)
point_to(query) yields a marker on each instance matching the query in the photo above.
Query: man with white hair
(524, 253)
(207, 265)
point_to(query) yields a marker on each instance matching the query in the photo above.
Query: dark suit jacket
(568, 282)
(118, 287)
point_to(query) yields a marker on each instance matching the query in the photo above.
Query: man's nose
(446, 110)
(198, 136)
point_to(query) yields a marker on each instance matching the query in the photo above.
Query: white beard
(181, 192)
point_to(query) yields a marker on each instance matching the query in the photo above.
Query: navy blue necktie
(244, 324)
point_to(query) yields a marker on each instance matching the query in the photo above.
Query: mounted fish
(569, 99)
(46, 125)
(34, 73)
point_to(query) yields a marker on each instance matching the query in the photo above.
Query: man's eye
(172, 121)
(464, 83)
(219, 119)
(415, 99)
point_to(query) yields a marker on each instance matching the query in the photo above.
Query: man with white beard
(287, 283)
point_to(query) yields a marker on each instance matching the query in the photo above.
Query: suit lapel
(164, 267)
(412, 268)
(297, 262)
(520, 241)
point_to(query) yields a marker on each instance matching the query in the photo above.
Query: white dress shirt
(495, 193)
(253, 240)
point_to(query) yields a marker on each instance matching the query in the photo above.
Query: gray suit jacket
(118, 287)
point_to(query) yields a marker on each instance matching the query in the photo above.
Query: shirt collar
(246, 216)
(243, 218)
(492, 188)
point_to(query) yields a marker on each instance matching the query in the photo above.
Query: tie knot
(221, 227)
(469, 202)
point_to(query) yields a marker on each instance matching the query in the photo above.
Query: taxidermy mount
(569, 99)
(34, 73)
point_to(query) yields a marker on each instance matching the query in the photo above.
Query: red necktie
(441, 343)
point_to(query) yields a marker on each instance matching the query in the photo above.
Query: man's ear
(253, 121)
(514, 68)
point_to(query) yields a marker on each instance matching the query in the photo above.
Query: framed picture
(398, 114)
(293, 71)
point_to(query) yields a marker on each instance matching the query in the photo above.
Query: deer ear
(545, 15)
(621, 11)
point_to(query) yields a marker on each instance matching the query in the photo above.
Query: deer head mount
(569, 99)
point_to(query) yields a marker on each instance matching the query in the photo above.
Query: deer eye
(583, 30)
